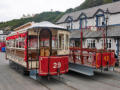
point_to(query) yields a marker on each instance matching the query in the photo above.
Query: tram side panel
(53, 65)
(92, 59)
(105, 60)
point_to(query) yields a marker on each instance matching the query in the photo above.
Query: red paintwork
(53, 65)
(107, 58)
(92, 57)
(16, 36)
(26, 46)
(2, 44)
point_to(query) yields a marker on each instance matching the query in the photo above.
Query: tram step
(33, 74)
(81, 69)
(111, 69)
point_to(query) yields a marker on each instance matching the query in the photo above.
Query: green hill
(48, 16)
(51, 16)
(89, 4)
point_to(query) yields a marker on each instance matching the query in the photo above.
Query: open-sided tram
(88, 60)
(43, 48)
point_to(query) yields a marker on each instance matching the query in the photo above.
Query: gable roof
(113, 8)
(68, 18)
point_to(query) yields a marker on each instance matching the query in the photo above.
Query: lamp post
(106, 18)
(103, 24)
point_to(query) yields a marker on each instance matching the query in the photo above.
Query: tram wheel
(25, 72)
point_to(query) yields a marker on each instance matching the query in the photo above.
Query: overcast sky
(13, 9)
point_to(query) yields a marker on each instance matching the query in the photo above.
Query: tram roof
(47, 24)
(44, 24)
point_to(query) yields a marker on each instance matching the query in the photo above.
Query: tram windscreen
(33, 42)
(61, 41)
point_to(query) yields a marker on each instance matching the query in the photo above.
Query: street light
(106, 24)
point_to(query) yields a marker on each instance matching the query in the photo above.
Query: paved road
(12, 80)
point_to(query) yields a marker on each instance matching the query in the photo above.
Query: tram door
(45, 42)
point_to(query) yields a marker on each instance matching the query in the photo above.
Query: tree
(69, 10)
(107, 1)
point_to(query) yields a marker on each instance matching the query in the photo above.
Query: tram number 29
(57, 65)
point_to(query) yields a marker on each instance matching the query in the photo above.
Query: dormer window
(99, 20)
(69, 25)
(100, 17)
(69, 22)
(83, 21)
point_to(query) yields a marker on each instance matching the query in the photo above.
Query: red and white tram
(88, 60)
(43, 47)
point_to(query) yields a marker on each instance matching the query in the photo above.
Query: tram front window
(67, 42)
(61, 41)
(54, 42)
(21, 42)
(33, 42)
(45, 43)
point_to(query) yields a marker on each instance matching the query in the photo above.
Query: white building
(2, 35)
(94, 17)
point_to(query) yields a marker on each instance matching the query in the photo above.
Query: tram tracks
(99, 81)
(44, 85)
(111, 81)
(62, 80)
(44, 81)
(103, 82)
(106, 78)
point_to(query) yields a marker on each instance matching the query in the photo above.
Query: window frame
(100, 19)
(83, 20)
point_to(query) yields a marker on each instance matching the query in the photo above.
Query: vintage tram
(42, 48)
(89, 60)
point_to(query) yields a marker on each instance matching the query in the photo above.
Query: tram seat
(47, 52)
(41, 51)
(44, 51)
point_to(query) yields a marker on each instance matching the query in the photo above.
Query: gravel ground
(10, 79)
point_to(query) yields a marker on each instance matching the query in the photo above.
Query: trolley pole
(106, 34)
(104, 40)
(81, 53)
(107, 11)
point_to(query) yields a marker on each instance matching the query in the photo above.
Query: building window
(69, 26)
(69, 23)
(88, 43)
(109, 44)
(102, 43)
(91, 44)
(83, 23)
(99, 20)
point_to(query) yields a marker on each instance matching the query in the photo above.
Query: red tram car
(43, 48)
(88, 60)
